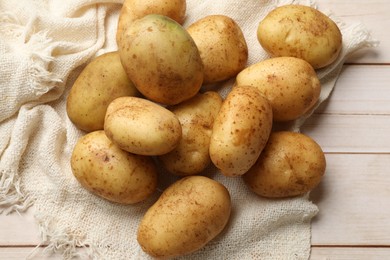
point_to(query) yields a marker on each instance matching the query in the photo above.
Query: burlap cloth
(43, 46)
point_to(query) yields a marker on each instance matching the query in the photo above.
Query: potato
(240, 130)
(196, 116)
(142, 127)
(100, 82)
(291, 164)
(302, 32)
(222, 47)
(188, 214)
(162, 60)
(111, 173)
(135, 9)
(290, 84)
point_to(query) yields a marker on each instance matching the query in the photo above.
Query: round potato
(290, 84)
(196, 116)
(162, 60)
(111, 173)
(291, 164)
(136, 9)
(302, 32)
(142, 127)
(222, 47)
(188, 214)
(100, 82)
(240, 131)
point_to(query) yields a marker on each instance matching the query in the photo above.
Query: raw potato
(100, 82)
(302, 32)
(240, 131)
(142, 127)
(162, 60)
(111, 173)
(222, 47)
(189, 214)
(196, 116)
(136, 9)
(291, 164)
(290, 84)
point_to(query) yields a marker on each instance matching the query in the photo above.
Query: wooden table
(353, 128)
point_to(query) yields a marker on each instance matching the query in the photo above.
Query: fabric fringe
(11, 197)
(67, 243)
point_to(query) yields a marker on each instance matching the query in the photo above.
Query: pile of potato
(144, 103)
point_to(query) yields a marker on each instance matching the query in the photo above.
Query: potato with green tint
(302, 32)
(189, 214)
(107, 171)
(291, 164)
(100, 82)
(196, 117)
(136, 9)
(240, 131)
(143, 127)
(290, 84)
(222, 47)
(162, 60)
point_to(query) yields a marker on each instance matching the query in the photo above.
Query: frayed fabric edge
(36, 47)
(69, 244)
(11, 197)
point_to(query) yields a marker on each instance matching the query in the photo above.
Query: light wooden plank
(350, 133)
(21, 253)
(18, 229)
(374, 15)
(347, 253)
(360, 90)
(353, 199)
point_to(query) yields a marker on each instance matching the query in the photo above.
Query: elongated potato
(162, 60)
(111, 173)
(188, 215)
(142, 127)
(300, 31)
(291, 164)
(290, 84)
(222, 47)
(100, 82)
(196, 117)
(240, 130)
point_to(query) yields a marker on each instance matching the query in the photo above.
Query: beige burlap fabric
(43, 45)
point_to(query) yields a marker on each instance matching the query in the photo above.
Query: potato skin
(291, 164)
(188, 214)
(111, 173)
(162, 60)
(302, 32)
(222, 47)
(290, 84)
(196, 117)
(240, 130)
(135, 9)
(100, 82)
(142, 127)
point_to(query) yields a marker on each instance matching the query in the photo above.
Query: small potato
(196, 116)
(142, 127)
(136, 9)
(240, 131)
(188, 214)
(162, 60)
(302, 32)
(111, 173)
(291, 164)
(222, 47)
(290, 84)
(100, 82)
